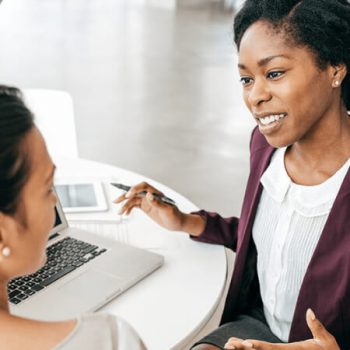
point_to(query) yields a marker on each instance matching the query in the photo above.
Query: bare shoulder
(21, 333)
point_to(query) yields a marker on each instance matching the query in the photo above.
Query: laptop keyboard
(63, 257)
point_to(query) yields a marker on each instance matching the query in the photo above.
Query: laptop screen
(58, 219)
(58, 222)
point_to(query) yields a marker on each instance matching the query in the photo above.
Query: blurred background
(154, 83)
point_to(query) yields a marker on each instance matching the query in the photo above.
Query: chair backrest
(54, 116)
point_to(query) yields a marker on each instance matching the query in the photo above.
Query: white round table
(172, 305)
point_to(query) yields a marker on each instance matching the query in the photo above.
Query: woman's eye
(274, 74)
(245, 80)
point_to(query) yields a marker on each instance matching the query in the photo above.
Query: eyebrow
(51, 174)
(264, 61)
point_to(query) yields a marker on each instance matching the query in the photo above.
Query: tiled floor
(155, 86)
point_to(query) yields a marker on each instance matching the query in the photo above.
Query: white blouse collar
(307, 200)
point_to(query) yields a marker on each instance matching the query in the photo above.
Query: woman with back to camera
(27, 215)
(292, 240)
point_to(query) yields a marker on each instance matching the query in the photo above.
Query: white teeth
(271, 118)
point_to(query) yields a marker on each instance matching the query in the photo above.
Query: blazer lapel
(323, 282)
(259, 162)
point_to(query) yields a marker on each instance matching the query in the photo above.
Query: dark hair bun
(16, 121)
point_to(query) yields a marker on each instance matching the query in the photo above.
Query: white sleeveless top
(103, 332)
(287, 227)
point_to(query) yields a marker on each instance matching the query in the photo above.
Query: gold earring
(6, 251)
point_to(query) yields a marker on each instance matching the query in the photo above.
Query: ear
(338, 73)
(8, 232)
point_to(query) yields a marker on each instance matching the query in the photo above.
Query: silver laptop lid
(60, 222)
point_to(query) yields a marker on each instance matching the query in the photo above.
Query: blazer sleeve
(219, 230)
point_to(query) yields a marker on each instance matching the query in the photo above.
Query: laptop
(83, 272)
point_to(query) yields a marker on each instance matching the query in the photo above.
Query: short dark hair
(321, 25)
(16, 121)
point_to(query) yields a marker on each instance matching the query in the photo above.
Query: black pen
(163, 199)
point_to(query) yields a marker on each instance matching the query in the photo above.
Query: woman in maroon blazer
(294, 58)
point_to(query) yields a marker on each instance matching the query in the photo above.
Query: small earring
(336, 83)
(6, 251)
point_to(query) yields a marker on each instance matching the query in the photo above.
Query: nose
(258, 93)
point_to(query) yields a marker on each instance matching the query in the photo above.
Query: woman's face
(28, 229)
(291, 99)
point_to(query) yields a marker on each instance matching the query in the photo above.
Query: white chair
(54, 116)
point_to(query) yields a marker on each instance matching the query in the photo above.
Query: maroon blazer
(326, 285)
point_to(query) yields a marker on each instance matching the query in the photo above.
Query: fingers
(317, 329)
(257, 344)
(143, 186)
(150, 203)
(235, 343)
(146, 203)
(248, 344)
(130, 205)
(233, 339)
(120, 199)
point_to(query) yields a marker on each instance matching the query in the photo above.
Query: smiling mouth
(270, 119)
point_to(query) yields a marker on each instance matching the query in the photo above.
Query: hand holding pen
(143, 193)
(159, 208)
(154, 203)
